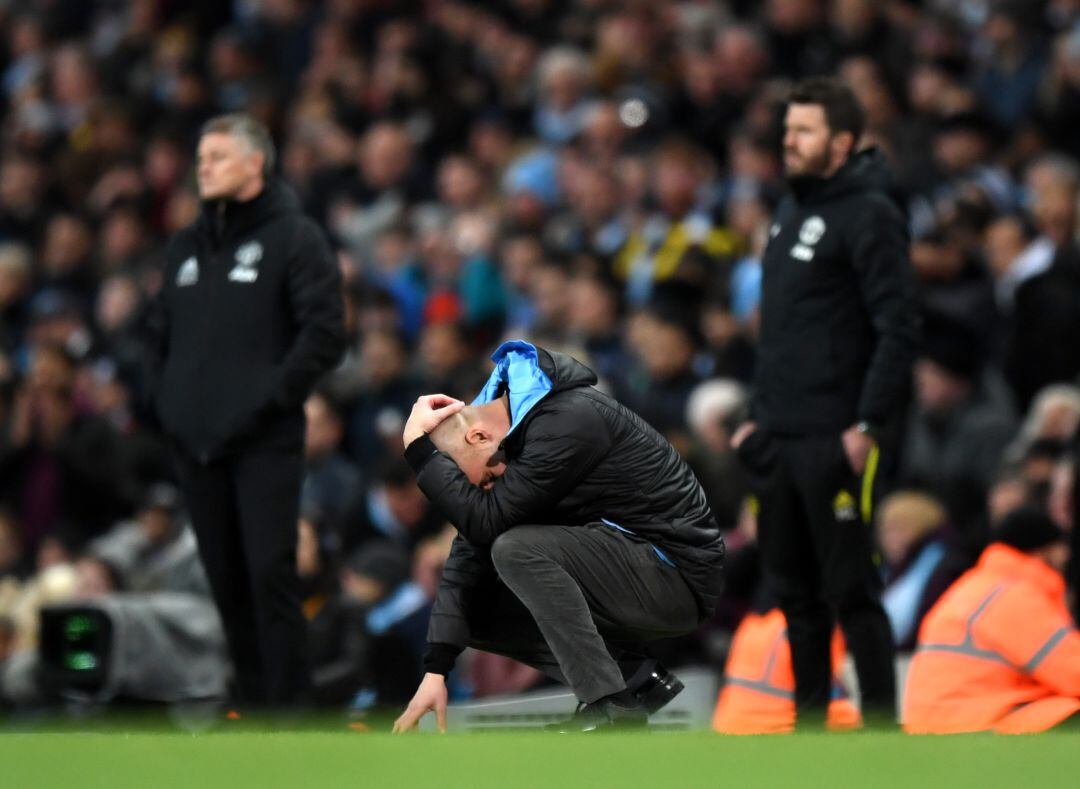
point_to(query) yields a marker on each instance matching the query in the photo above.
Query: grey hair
(248, 129)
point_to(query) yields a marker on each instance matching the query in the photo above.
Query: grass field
(336, 758)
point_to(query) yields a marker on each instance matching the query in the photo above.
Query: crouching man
(581, 535)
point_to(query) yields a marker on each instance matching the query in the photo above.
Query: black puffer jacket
(574, 456)
(839, 318)
(250, 316)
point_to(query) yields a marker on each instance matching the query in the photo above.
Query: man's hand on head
(428, 412)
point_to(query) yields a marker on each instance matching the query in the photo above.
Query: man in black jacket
(250, 316)
(838, 335)
(581, 534)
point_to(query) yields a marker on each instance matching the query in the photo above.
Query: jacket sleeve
(315, 301)
(448, 629)
(1037, 639)
(882, 265)
(560, 448)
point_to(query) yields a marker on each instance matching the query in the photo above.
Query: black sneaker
(602, 715)
(658, 687)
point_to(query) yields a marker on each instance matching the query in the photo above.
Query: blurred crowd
(596, 176)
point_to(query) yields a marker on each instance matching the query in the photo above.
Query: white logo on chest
(188, 273)
(809, 234)
(247, 258)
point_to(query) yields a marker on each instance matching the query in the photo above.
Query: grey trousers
(577, 602)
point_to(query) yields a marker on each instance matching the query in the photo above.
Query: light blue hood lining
(517, 370)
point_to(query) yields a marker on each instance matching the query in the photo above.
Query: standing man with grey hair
(249, 318)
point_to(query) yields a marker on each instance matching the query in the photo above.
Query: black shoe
(602, 715)
(658, 688)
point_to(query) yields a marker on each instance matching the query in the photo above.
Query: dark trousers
(817, 549)
(244, 510)
(577, 602)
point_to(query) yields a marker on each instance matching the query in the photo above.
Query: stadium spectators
(547, 170)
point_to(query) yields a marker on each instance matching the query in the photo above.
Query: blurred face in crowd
(92, 578)
(460, 182)
(938, 390)
(11, 552)
(1059, 503)
(811, 150)
(1003, 243)
(14, 273)
(442, 348)
(228, 168)
(665, 349)
(1055, 214)
(68, 242)
(677, 180)
(593, 308)
(382, 357)
(117, 302)
(957, 150)
(522, 256)
(156, 524)
(323, 428)
(385, 156)
(1056, 555)
(1007, 495)
(308, 561)
(904, 518)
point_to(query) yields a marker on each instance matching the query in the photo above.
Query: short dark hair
(843, 112)
(247, 128)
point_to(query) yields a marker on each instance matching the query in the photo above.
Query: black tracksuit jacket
(839, 317)
(577, 457)
(249, 318)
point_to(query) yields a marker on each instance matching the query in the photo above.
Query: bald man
(581, 535)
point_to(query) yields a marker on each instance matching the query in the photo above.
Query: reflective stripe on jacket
(997, 652)
(758, 696)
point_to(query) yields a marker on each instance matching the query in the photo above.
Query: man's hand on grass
(430, 696)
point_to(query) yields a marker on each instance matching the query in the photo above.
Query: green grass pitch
(338, 758)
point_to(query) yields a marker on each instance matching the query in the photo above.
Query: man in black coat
(839, 330)
(581, 534)
(249, 318)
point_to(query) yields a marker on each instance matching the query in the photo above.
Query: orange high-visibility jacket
(758, 696)
(997, 652)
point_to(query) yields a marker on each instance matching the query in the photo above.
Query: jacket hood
(1007, 562)
(229, 217)
(529, 374)
(865, 171)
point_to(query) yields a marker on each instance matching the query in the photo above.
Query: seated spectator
(331, 480)
(448, 364)
(59, 469)
(655, 250)
(367, 642)
(593, 318)
(1054, 416)
(391, 507)
(14, 563)
(961, 423)
(916, 558)
(758, 694)
(713, 408)
(999, 651)
(385, 394)
(155, 552)
(665, 341)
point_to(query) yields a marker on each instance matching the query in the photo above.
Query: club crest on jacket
(247, 257)
(809, 234)
(188, 274)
